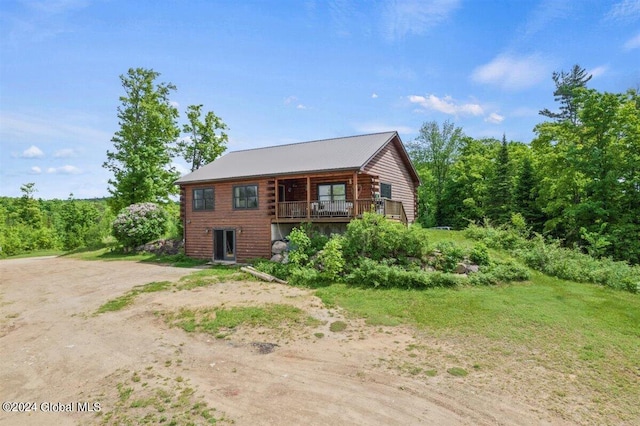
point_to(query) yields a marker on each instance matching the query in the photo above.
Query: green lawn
(575, 330)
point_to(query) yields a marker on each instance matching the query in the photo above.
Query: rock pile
(279, 251)
(162, 247)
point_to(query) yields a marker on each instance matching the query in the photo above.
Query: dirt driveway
(74, 367)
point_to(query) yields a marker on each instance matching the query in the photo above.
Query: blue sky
(289, 71)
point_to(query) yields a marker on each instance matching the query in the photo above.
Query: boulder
(277, 258)
(461, 268)
(278, 247)
(473, 268)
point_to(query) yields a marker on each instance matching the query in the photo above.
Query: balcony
(342, 210)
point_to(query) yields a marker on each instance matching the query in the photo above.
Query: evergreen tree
(567, 84)
(525, 195)
(499, 194)
(141, 161)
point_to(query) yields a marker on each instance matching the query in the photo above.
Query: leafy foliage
(203, 144)
(552, 259)
(141, 160)
(28, 224)
(433, 153)
(139, 224)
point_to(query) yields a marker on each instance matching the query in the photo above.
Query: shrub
(299, 247)
(373, 237)
(479, 254)
(508, 271)
(139, 224)
(550, 258)
(330, 260)
(445, 256)
(503, 237)
(277, 269)
(382, 275)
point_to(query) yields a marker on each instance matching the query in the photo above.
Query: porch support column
(308, 197)
(354, 210)
(277, 197)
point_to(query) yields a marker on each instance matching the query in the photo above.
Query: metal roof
(347, 153)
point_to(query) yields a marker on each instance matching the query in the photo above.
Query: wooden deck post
(308, 197)
(354, 210)
(277, 199)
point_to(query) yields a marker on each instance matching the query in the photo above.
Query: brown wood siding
(252, 226)
(390, 168)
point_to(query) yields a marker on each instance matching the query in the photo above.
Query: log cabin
(235, 207)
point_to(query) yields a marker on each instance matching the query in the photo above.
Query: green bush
(508, 271)
(330, 260)
(277, 269)
(382, 275)
(446, 256)
(139, 224)
(479, 254)
(550, 258)
(299, 247)
(377, 238)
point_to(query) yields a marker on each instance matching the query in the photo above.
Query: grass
(217, 320)
(573, 329)
(127, 298)
(337, 326)
(197, 279)
(157, 400)
(108, 253)
(36, 253)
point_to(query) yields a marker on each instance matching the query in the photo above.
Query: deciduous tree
(141, 159)
(435, 150)
(202, 144)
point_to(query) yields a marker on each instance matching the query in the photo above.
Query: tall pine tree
(525, 196)
(499, 194)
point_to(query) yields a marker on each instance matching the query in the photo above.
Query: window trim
(381, 192)
(234, 198)
(204, 199)
(332, 184)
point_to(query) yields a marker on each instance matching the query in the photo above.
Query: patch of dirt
(53, 349)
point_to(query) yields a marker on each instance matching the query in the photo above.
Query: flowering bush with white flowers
(139, 224)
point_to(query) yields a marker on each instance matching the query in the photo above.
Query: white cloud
(64, 170)
(632, 43)
(446, 105)
(598, 71)
(626, 10)
(32, 152)
(64, 153)
(513, 73)
(494, 118)
(405, 17)
(374, 96)
(36, 170)
(300, 106)
(373, 127)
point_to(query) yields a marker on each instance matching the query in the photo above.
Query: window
(203, 199)
(385, 190)
(332, 192)
(245, 197)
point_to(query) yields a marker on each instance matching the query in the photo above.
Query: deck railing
(341, 209)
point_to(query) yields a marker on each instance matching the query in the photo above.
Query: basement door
(224, 244)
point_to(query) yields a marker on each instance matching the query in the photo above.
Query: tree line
(578, 181)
